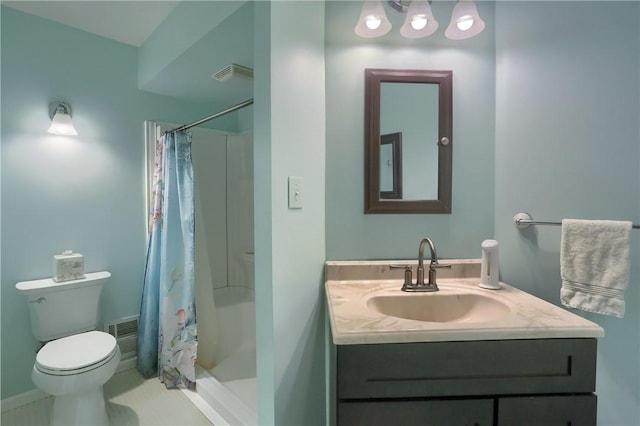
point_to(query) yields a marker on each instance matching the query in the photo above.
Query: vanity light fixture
(419, 21)
(61, 123)
(465, 21)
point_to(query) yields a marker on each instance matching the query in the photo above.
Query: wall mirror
(408, 141)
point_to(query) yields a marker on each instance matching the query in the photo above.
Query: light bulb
(418, 22)
(464, 22)
(373, 22)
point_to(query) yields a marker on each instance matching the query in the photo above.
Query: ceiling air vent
(233, 70)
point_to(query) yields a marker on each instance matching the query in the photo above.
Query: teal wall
(263, 214)
(568, 146)
(83, 193)
(290, 244)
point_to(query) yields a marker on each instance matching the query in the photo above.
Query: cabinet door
(472, 412)
(570, 410)
(453, 369)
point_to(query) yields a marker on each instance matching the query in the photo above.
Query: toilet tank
(59, 309)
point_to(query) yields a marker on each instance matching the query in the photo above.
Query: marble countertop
(350, 285)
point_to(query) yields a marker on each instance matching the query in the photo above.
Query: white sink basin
(441, 306)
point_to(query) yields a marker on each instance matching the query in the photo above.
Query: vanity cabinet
(492, 382)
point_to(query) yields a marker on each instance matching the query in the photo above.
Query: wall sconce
(419, 20)
(61, 123)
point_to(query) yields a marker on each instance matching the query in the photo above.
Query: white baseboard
(127, 364)
(36, 394)
(22, 399)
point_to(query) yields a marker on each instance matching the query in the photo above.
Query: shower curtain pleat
(167, 341)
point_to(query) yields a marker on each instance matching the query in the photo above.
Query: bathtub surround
(230, 385)
(225, 301)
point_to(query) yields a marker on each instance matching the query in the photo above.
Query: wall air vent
(125, 330)
(233, 70)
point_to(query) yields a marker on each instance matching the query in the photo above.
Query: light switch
(295, 192)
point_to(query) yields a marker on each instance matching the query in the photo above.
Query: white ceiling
(129, 22)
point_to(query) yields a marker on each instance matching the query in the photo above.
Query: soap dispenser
(489, 268)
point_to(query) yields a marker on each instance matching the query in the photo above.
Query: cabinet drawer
(503, 367)
(473, 412)
(569, 410)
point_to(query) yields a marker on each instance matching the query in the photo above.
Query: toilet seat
(76, 354)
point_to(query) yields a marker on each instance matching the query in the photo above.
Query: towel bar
(523, 221)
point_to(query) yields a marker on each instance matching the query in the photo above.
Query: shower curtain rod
(212, 116)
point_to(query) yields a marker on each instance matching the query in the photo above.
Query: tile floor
(132, 400)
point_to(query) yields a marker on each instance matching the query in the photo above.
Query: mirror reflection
(391, 166)
(412, 110)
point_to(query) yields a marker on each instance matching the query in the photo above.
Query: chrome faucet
(431, 284)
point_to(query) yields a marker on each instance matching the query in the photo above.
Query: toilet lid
(76, 352)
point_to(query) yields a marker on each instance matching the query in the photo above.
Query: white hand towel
(594, 265)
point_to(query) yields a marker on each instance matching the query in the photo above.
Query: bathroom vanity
(459, 356)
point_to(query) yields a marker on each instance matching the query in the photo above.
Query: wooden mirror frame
(374, 203)
(395, 140)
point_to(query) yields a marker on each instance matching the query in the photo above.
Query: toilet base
(85, 408)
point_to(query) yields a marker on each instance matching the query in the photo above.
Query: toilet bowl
(73, 369)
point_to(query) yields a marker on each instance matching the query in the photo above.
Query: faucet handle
(437, 265)
(432, 270)
(407, 273)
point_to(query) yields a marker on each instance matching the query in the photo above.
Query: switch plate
(295, 192)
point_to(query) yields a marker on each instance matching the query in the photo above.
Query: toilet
(76, 361)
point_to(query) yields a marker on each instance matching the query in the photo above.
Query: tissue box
(68, 266)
